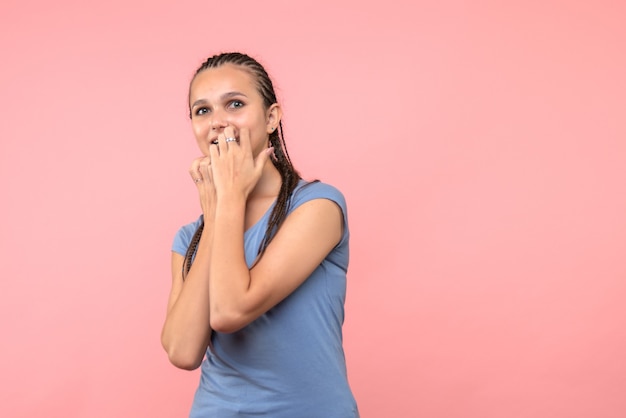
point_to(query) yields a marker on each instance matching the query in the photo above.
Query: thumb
(262, 158)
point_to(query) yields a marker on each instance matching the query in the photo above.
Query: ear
(274, 115)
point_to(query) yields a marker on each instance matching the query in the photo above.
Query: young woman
(259, 280)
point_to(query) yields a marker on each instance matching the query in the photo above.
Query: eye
(201, 111)
(236, 104)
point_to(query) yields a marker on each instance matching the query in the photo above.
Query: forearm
(187, 330)
(230, 277)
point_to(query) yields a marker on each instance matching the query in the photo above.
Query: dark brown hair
(288, 173)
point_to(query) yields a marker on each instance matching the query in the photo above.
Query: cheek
(199, 131)
(255, 126)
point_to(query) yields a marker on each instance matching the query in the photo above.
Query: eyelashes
(236, 104)
(201, 111)
(233, 104)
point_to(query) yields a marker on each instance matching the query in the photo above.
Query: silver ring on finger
(231, 139)
(197, 180)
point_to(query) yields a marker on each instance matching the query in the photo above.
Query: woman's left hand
(233, 165)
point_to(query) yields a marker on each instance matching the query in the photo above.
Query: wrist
(209, 214)
(230, 208)
(231, 199)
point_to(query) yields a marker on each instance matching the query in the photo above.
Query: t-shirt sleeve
(184, 235)
(319, 190)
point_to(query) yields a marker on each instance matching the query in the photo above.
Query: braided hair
(290, 177)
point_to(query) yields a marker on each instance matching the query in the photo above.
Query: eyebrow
(224, 96)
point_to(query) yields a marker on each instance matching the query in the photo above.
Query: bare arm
(238, 295)
(187, 329)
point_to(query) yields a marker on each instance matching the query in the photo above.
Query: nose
(218, 120)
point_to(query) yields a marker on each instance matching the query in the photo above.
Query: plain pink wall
(481, 147)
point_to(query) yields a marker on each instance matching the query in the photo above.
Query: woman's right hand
(201, 175)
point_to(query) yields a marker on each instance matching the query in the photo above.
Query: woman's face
(228, 96)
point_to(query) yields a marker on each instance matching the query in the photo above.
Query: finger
(230, 136)
(222, 146)
(214, 152)
(244, 141)
(194, 170)
(261, 159)
(205, 168)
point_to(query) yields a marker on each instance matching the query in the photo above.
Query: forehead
(223, 79)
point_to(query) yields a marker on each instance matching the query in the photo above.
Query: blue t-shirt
(289, 362)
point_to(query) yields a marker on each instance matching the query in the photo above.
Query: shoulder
(307, 191)
(184, 235)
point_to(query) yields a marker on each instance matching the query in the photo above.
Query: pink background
(481, 146)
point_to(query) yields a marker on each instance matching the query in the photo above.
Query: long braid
(290, 179)
(289, 175)
(191, 250)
